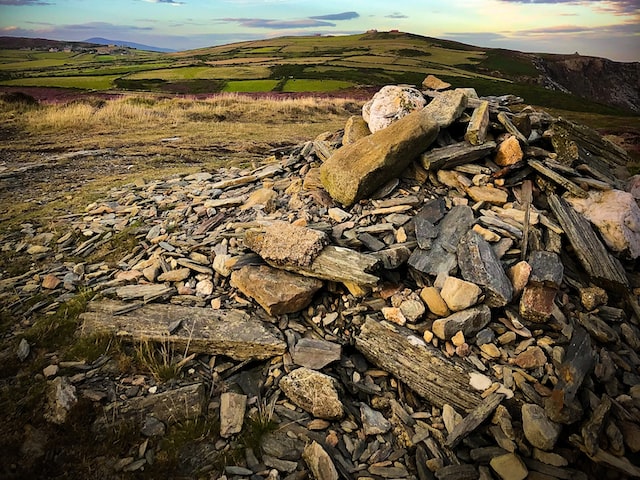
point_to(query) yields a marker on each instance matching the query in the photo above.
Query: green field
(289, 64)
(250, 86)
(315, 85)
(97, 82)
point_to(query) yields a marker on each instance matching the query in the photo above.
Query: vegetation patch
(96, 82)
(250, 86)
(52, 331)
(307, 85)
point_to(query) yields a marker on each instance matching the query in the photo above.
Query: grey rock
(441, 257)
(232, 410)
(373, 422)
(546, 269)
(479, 265)
(468, 321)
(315, 353)
(319, 462)
(152, 427)
(314, 392)
(446, 107)
(538, 429)
(61, 397)
(23, 350)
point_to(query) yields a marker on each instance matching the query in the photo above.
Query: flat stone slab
(215, 332)
(277, 291)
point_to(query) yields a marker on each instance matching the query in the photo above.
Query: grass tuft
(54, 331)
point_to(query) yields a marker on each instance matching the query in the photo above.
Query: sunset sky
(601, 28)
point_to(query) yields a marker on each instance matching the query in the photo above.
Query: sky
(602, 28)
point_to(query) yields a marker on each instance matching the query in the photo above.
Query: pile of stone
(445, 289)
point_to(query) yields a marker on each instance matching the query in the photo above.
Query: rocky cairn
(453, 296)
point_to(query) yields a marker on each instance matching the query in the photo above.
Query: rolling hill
(332, 64)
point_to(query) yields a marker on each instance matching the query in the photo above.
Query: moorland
(79, 120)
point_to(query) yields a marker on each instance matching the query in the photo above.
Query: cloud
(18, 3)
(338, 16)
(617, 7)
(278, 24)
(168, 2)
(396, 15)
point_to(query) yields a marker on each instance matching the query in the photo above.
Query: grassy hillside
(288, 64)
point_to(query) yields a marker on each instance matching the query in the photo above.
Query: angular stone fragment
(282, 243)
(538, 429)
(479, 264)
(277, 291)
(355, 129)
(314, 392)
(359, 169)
(537, 303)
(532, 357)
(446, 107)
(431, 82)
(459, 294)
(509, 152)
(389, 104)
(177, 275)
(546, 269)
(592, 297)
(61, 398)
(616, 214)
(232, 409)
(394, 315)
(50, 282)
(489, 194)
(373, 422)
(477, 128)
(319, 462)
(509, 467)
(519, 276)
(315, 353)
(468, 321)
(441, 257)
(265, 198)
(431, 296)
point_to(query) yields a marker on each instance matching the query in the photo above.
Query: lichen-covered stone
(357, 170)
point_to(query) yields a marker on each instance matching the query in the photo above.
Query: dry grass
(143, 112)
(145, 137)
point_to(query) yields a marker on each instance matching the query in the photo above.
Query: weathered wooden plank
(557, 178)
(511, 128)
(202, 330)
(169, 407)
(456, 154)
(474, 419)
(261, 173)
(593, 255)
(595, 143)
(578, 363)
(622, 464)
(422, 367)
(339, 264)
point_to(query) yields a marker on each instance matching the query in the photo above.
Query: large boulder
(616, 215)
(390, 104)
(357, 170)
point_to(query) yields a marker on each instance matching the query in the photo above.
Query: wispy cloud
(617, 7)
(168, 2)
(18, 3)
(396, 15)
(338, 16)
(278, 24)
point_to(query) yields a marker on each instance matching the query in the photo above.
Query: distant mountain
(123, 43)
